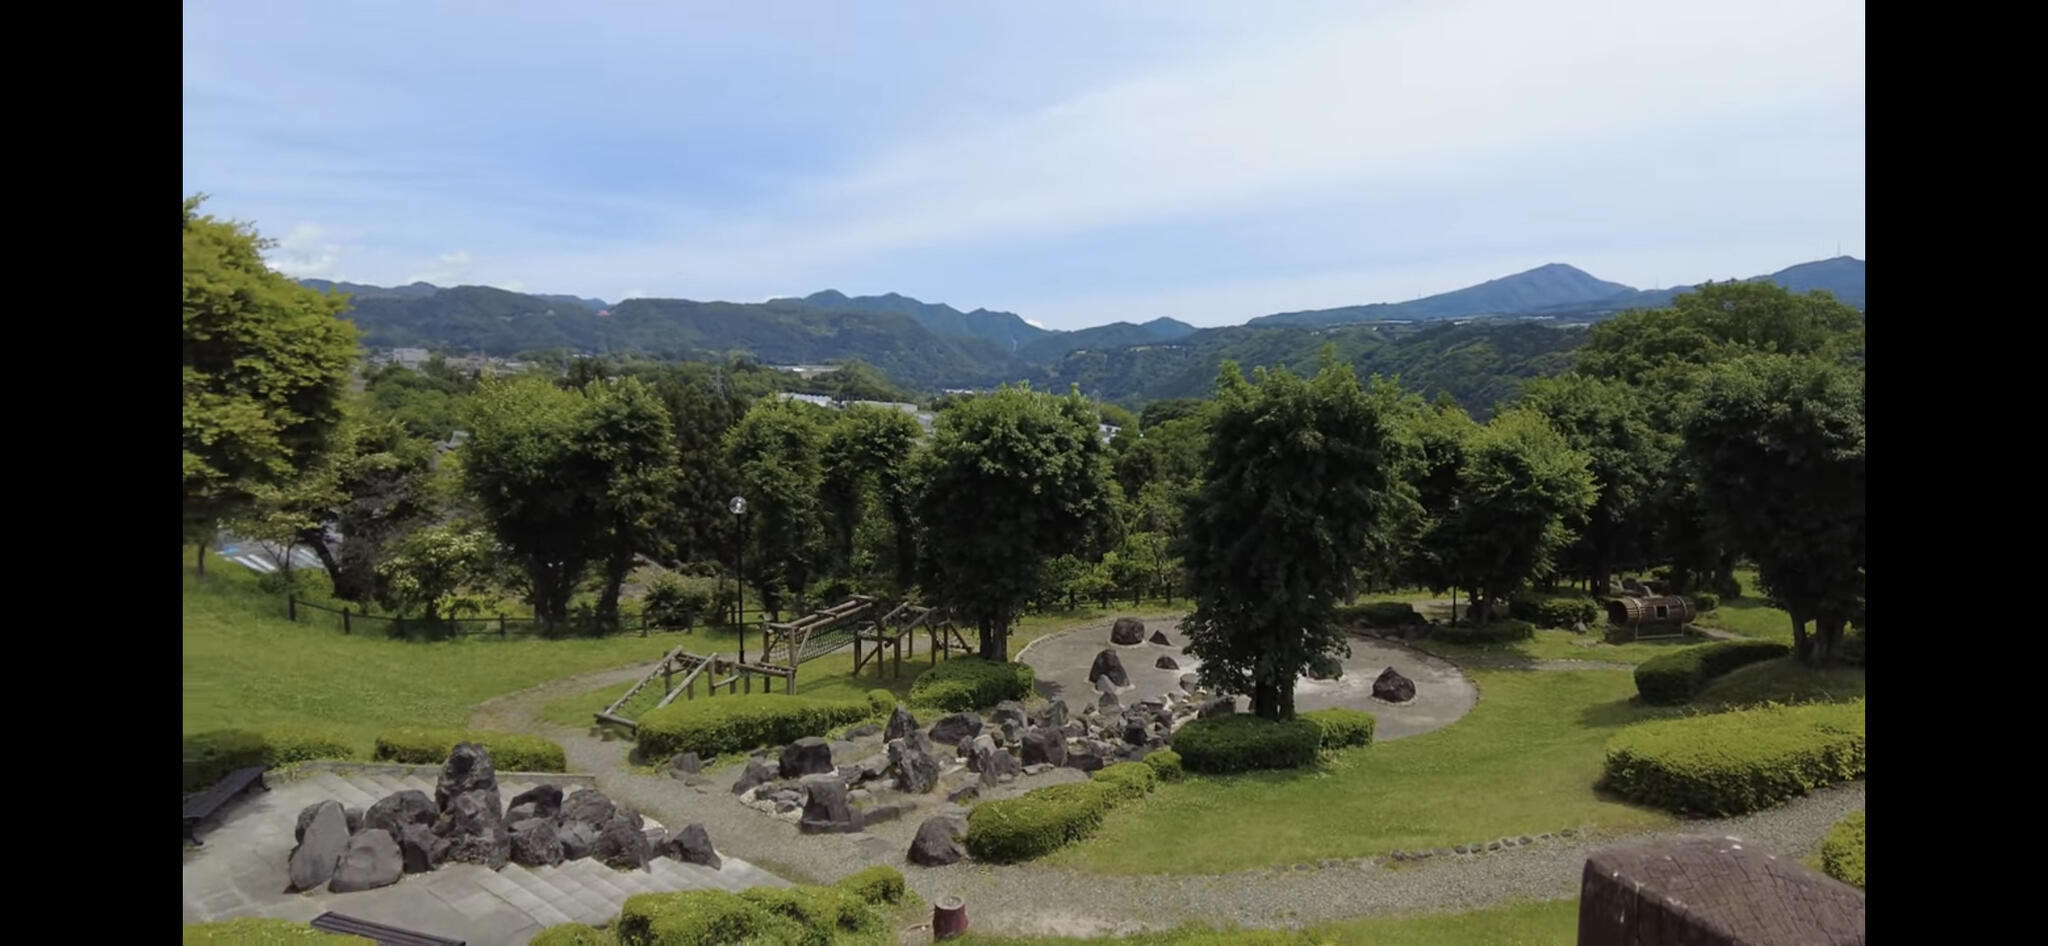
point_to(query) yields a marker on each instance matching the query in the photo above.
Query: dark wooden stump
(949, 918)
(1712, 892)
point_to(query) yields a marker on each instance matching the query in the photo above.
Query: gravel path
(1033, 899)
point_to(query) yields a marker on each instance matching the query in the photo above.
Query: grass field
(1782, 681)
(1561, 645)
(1522, 762)
(1546, 923)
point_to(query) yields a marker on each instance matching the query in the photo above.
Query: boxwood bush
(1555, 611)
(510, 752)
(211, 755)
(1128, 780)
(1237, 743)
(1037, 822)
(710, 727)
(968, 683)
(1342, 727)
(264, 931)
(1492, 632)
(574, 934)
(1679, 676)
(1165, 763)
(877, 885)
(1841, 852)
(1739, 762)
(881, 701)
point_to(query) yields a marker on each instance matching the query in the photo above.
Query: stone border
(1493, 846)
(300, 770)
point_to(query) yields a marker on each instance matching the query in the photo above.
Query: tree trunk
(1265, 700)
(616, 568)
(199, 564)
(995, 640)
(1601, 571)
(1827, 642)
(1802, 645)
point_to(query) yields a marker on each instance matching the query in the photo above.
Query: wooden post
(949, 918)
(291, 606)
(501, 625)
(345, 612)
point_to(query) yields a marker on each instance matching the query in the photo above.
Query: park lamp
(738, 506)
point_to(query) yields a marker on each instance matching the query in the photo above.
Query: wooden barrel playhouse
(1663, 609)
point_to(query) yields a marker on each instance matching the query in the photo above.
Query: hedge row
(795, 915)
(211, 755)
(1493, 632)
(574, 934)
(1380, 614)
(1679, 676)
(1739, 762)
(1166, 764)
(969, 683)
(1238, 743)
(1555, 611)
(1841, 852)
(1042, 820)
(510, 752)
(709, 727)
(880, 885)
(1342, 728)
(264, 931)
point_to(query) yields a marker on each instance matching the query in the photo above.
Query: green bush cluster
(1342, 728)
(1555, 611)
(968, 683)
(510, 752)
(1239, 743)
(878, 885)
(710, 727)
(1841, 852)
(1739, 762)
(1128, 780)
(799, 916)
(574, 934)
(1706, 601)
(1166, 764)
(1505, 631)
(264, 931)
(881, 701)
(1041, 821)
(1379, 614)
(1677, 677)
(211, 755)
(674, 600)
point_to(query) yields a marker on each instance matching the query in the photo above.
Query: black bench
(384, 935)
(202, 805)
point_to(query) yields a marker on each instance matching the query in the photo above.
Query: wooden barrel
(1664, 609)
(949, 918)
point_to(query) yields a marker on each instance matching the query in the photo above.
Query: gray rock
(371, 861)
(1545, 836)
(758, 772)
(975, 750)
(320, 848)
(545, 799)
(963, 794)
(398, 809)
(1076, 728)
(807, 756)
(1188, 681)
(1393, 687)
(827, 810)
(1008, 710)
(1444, 852)
(863, 731)
(354, 817)
(1108, 664)
(692, 845)
(950, 730)
(1040, 768)
(1108, 703)
(1127, 631)
(535, 843)
(468, 769)
(1525, 840)
(1159, 637)
(589, 806)
(472, 831)
(917, 770)
(1220, 706)
(416, 846)
(1043, 746)
(1166, 663)
(938, 841)
(1136, 727)
(1053, 715)
(1086, 758)
(1462, 849)
(1493, 845)
(523, 812)
(1010, 734)
(901, 724)
(621, 844)
(685, 764)
(995, 765)
(1568, 833)
(578, 839)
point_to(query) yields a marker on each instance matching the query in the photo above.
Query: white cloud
(448, 269)
(305, 253)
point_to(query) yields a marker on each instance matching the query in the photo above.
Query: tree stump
(949, 918)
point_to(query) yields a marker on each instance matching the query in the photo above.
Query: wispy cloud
(448, 269)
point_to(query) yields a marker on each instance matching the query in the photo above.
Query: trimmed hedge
(877, 885)
(1739, 762)
(1705, 601)
(1555, 611)
(1679, 676)
(1841, 852)
(1380, 614)
(699, 918)
(1128, 780)
(970, 683)
(826, 915)
(264, 931)
(510, 752)
(211, 755)
(1238, 743)
(574, 934)
(1493, 632)
(881, 701)
(1165, 763)
(1036, 822)
(738, 725)
(1342, 728)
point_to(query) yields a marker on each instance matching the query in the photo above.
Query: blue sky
(1074, 162)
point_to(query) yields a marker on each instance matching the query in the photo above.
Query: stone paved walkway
(241, 870)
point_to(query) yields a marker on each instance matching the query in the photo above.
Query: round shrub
(1342, 728)
(881, 701)
(1841, 852)
(1037, 822)
(1706, 601)
(969, 683)
(1224, 744)
(1492, 632)
(711, 727)
(1677, 677)
(880, 884)
(510, 752)
(1165, 763)
(264, 931)
(677, 601)
(701, 918)
(1554, 611)
(1739, 762)
(1128, 780)
(574, 934)
(211, 755)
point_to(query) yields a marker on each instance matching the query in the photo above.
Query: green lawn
(1561, 645)
(1523, 762)
(1546, 923)
(1782, 681)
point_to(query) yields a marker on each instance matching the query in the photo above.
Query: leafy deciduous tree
(776, 454)
(1520, 492)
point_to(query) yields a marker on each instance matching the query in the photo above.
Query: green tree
(1608, 422)
(524, 466)
(628, 441)
(1521, 492)
(868, 463)
(1779, 444)
(777, 455)
(1438, 437)
(1011, 479)
(266, 365)
(703, 405)
(1301, 486)
(434, 572)
(1172, 408)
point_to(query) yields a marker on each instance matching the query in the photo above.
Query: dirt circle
(1442, 692)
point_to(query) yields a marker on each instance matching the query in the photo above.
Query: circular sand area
(1442, 691)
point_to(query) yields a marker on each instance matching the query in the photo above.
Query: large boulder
(578, 839)
(472, 831)
(826, 808)
(320, 848)
(1127, 631)
(1008, 710)
(938, 841)
(1135, 727)
(1159, 637)
(589, 806)
(398, 809)
(807, 756)
(1053, 715)
(1044, 745)
(973, 749)
(416, 847)
(758, 772)
(621, 844)
(354, 817)
(1166, 663)
(1108, 703)
(535, 843)
(684, 765)
(372, 860)
(950, 730)
(1107, 664)
(995, 764)
(1393, 687)
(468, 769)
(917, 770)
(901, 724)
(1086, 757)
(692, 844)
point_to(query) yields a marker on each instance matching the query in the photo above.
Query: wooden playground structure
(794, 642)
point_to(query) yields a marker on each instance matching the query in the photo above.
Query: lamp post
(739, 511)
